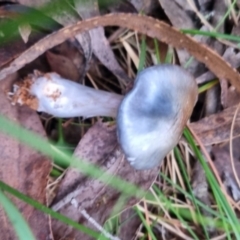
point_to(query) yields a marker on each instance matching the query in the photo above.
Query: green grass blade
(186, 180)
(19, 224)
(231, 6)
(200, 204)
(47, 210)
(219, 196)
(143, 53)
(169, 204)
(211, 34)
(156, 47)
(149, 229)
(207, 86)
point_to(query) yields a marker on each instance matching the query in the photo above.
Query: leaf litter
(99, 143)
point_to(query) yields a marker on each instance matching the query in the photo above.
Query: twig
(93, 221)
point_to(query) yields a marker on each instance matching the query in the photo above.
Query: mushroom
(152, 115)
(150, 118)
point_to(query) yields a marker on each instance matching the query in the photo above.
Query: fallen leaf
(129, 223)
(100, 45)
(224, 167)
(216, 127)
(104, 140)
(63, 66)
(24, 169)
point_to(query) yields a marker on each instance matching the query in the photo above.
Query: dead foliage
(99, 46)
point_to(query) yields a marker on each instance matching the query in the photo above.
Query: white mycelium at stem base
(153, 114)
(150, 118)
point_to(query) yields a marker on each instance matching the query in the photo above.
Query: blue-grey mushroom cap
(152, 115)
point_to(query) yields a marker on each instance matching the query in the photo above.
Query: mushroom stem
(60, 97)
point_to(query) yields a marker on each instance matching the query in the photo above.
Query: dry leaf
(24, 169)
(146, 6)
(224, 167)
(216, 128)
(129, 223)
(63, 66)
(103, 138)
(100, 45)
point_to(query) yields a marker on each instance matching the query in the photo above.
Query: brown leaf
(121, 6)
(63, 66)
(225, 168)
(229, 96)
(103, 138)
(100, 45)
(69, 50)
(200, 186)
(216, 128)
(24, 169)
(179, 18)
(98, 146)
(146, 25)
(129, 223)
(176, 14)
(145, 6)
